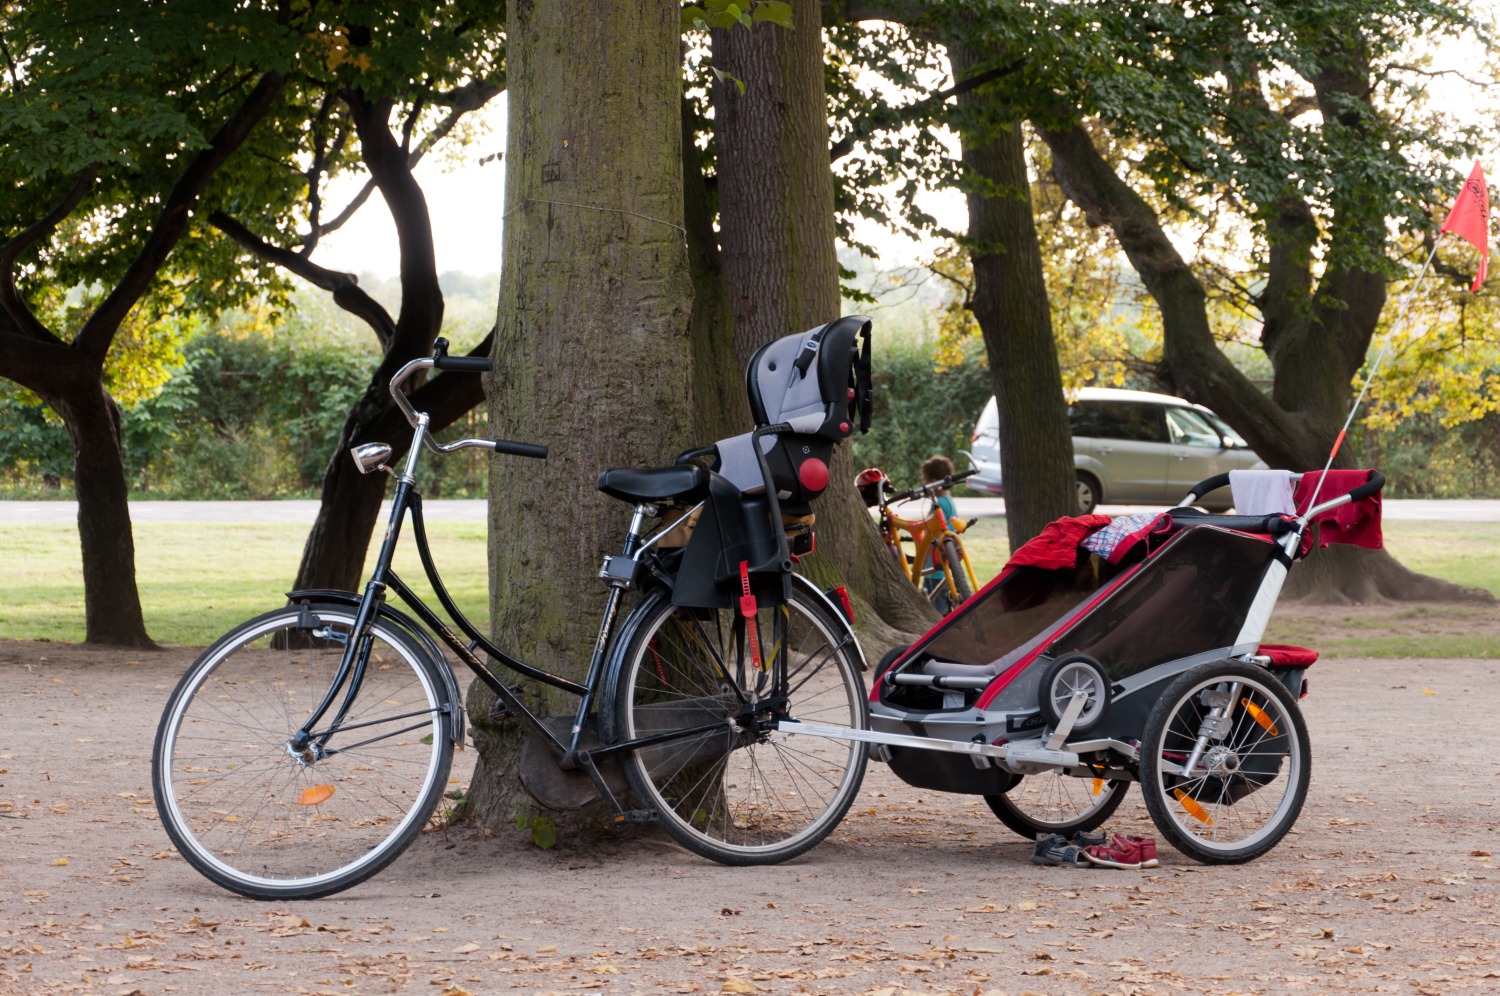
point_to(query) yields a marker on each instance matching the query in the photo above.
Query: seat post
(638, 527)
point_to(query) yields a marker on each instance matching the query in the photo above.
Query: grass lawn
(198, 580)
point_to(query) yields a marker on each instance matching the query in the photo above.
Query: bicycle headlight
(370, 456)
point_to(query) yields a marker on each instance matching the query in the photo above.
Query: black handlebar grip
(519, 449)
(466, 364)
(1370, 487)
(967, 473)
(1211, 485)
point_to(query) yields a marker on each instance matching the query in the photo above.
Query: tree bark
(592, 341)
(781, 271)
(1010, 303)
(106, 541)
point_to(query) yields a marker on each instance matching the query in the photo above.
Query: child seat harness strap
(748, 609)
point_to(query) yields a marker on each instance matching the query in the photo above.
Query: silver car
(1130, 448)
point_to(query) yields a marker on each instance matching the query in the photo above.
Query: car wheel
(1088, 493)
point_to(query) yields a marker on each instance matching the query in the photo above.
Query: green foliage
(253, 413)
(731, 13)
(247, 407)
(543, 831)
(921, 408)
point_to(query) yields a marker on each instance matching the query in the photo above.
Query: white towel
(1262, 492)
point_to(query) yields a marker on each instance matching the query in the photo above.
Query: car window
(1225, 430)
(1188, 428)
(1131, 420)
(1083, 418)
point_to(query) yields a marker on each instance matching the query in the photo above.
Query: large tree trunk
(591, 351)
(106, 540)
(1011, 306)
(781, 270)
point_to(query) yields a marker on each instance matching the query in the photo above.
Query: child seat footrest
(1286, 655)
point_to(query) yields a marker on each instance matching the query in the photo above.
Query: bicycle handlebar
(932, 486)
(464, 364)
(458, 364)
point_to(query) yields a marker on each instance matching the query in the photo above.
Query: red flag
(1470, 220)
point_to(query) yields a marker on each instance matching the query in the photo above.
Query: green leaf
(774, 11)
(694, 19)
(723, 76)
(543, 832)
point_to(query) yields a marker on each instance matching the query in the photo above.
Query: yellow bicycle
(929, 549)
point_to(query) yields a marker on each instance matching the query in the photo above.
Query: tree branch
(460, 102)
(345, 288)
(99, 331)
(25, 320)
(891, 117)
(1484, 84)
(1195, 362)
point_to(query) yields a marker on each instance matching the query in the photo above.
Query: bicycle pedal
(636, 816)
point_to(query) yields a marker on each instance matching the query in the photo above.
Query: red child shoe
(1124, 851)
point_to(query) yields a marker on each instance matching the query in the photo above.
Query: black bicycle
(306, 748)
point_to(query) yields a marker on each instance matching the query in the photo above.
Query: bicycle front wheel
(731, 787)
(953, 558)
(262, 818)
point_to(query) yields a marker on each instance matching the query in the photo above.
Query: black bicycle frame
(356, 654)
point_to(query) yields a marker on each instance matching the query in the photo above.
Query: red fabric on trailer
(1286, 655)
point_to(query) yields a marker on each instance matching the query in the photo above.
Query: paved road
(45, 512)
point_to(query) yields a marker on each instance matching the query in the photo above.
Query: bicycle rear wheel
(737, 791)
(263, 819)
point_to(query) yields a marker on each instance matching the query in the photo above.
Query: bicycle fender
(834, 613)
(455, 705)
(615, 663)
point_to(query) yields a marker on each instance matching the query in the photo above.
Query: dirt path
(1387, 883)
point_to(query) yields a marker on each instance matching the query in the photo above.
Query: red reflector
(813, 474)
(843, 594)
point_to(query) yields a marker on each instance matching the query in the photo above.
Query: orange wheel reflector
(315, 794)
(1194, 810)
(1259, 715)
(1098, 785)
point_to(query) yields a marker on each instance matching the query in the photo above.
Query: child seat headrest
(819, 380)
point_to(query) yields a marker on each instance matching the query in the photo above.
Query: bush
(920, 410)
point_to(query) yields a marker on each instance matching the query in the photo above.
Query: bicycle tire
(740, 793)
(1057, 803)
(1256, 769)
(954, 568)
(258, 819)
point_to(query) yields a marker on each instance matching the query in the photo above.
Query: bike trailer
(1139, 599)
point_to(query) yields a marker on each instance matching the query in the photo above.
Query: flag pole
(1469, 219)
(1400, 321)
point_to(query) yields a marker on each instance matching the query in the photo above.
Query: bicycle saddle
(689, 482)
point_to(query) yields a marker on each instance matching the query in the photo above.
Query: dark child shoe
(1124, 851)
(1054, 849)
(1090, 838)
